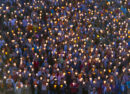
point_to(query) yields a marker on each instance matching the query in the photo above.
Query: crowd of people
(64, 47)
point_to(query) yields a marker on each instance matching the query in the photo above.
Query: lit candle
(29, 74)
(16, 87)
(94, 82)
(73, 84)
(61, 86)
(111, 80)
(106, 76)
(116, 73)
(41, 78)
(20, 75)
(8, 71)
(90, 79)
(26, 86)
(21, 85)
(14, 64)
(5, 77)
(104, 82)
(46, 84)
(64, 82)
(81, 79)
(35, 86)
(55, 86)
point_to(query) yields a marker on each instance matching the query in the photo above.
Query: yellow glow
(6, 53)
(55, 86)
(61, 86)
(109, 70)
(32, 48)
